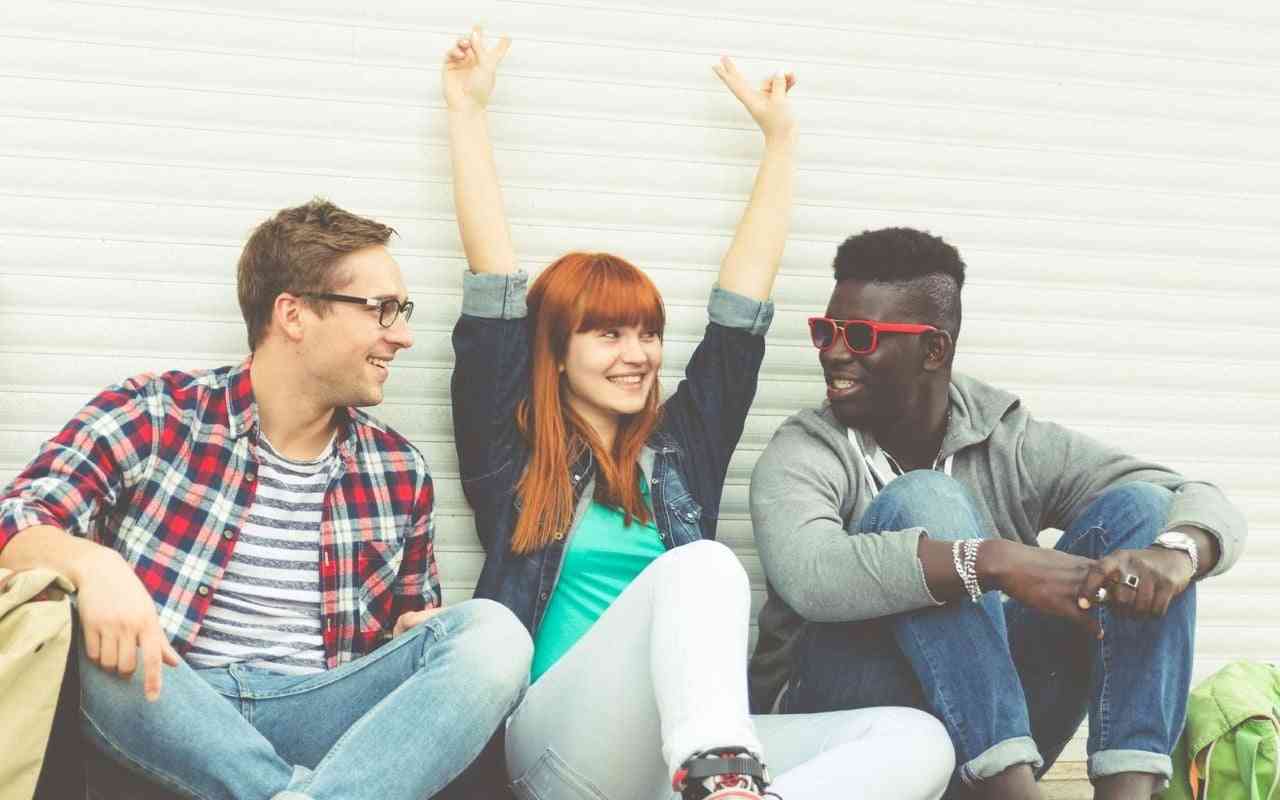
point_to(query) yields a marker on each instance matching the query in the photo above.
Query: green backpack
(1230, 746)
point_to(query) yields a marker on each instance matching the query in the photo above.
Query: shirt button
(559, 535)
(203, 591)
(228, 534)
(576, 477)
(543, 595)
(251, 477)
(653, 481)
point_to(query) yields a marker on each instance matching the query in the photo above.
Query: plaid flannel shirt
(162, 469)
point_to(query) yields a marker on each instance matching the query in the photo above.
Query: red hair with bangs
(580, 292)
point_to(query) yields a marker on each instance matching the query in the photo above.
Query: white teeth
(628, 380)
(378, 362)
(840, 383)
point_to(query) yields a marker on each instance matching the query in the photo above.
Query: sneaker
(729, 773)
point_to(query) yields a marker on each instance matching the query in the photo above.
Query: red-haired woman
(597, 504)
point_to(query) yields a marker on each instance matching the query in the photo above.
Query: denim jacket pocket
(685, 517)
(550, 778)
(377, 566)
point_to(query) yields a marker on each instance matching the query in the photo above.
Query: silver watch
(1173, 540)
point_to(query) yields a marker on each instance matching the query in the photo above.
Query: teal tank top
(603, 558)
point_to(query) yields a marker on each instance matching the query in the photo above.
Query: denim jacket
(685, 461)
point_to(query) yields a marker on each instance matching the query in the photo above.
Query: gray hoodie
(809, 490)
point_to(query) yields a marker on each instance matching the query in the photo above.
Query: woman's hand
(470, 70)
(768, 105)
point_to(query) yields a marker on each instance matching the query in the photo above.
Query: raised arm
(470, 69)
(752, 260)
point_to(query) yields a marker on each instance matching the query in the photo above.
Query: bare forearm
(751, 263)
(477, 194)
(53, 548)
(994, 558)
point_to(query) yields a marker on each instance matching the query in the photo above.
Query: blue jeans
(1010, 683)
(401, 722)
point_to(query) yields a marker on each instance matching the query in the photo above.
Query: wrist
(781, 140)
(993, 564)
(471, 111)
(90, 561)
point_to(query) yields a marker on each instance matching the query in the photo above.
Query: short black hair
(911, 257)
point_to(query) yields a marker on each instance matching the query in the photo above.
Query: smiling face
(883, 388)
(345, 352)
(609, 372)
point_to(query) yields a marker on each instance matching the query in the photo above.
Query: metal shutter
(1112, 176)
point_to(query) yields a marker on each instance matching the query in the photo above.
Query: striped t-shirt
(266, 610)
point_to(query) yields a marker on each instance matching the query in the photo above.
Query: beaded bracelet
(964, 557)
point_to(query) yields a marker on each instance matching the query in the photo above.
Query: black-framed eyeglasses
(389, 308)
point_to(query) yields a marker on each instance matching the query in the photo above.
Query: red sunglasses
(861, 336)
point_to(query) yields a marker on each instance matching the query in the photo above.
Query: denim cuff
(1113, 762)
(494, 296)
(999, 757)
(733, 310)
(301, 777)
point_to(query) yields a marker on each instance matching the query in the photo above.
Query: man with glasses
(258, 593)
(890, 520)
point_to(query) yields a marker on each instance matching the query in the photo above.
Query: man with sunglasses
(890, 520)
(258, 593)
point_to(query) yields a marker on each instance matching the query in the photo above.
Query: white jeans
(662, 675)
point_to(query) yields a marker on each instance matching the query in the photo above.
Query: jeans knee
(931, 500)
(500, 647)
(1133, 513)
(1142, 498)
(711, 562)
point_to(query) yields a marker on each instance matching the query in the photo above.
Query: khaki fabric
(35, 635)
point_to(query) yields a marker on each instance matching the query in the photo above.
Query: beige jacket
(35, 635)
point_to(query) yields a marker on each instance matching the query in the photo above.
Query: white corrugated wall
(1110, 171)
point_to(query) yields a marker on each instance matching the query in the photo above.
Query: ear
(939, 348)
(287, 315)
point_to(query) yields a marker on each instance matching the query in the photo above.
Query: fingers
(461, 51)
(92, 642)
(170, 655)
(109, 650)
(153, 645)
(727, 71)
(1094, 580)
(500, 50)
(412, 619)
(488, 57)
(127, 660)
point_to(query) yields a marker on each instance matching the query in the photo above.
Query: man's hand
(1161, 576)
(1044, 579)
(118, 618)
(769, 105)
(470, 70)
(412, 619)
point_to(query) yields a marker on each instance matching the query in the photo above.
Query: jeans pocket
(550, 778)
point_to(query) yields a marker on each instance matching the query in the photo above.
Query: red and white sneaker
(722, 773)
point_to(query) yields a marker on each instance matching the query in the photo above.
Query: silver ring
(1100, 596)
(1130, 580)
